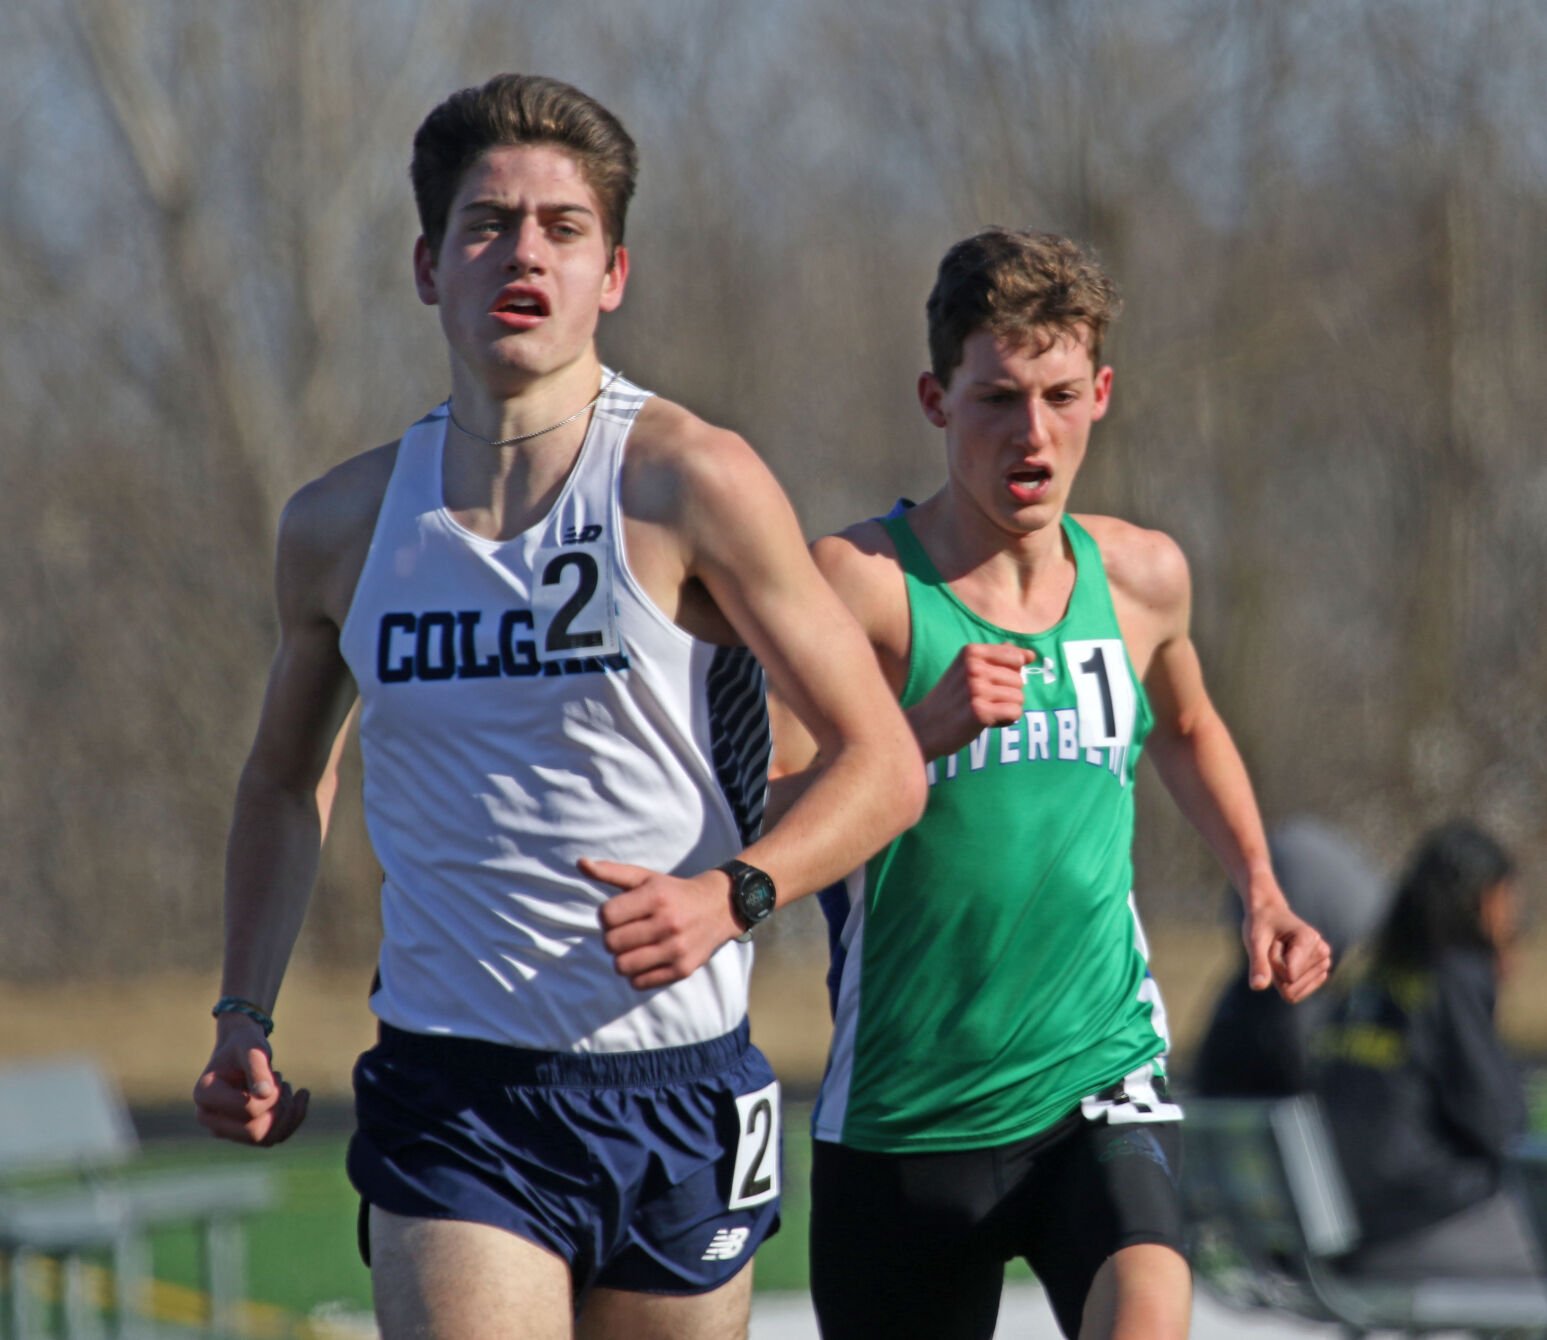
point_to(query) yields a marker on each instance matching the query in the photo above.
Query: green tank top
(989, 970)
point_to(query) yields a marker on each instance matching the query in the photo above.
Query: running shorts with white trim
(654, 1171)
(914, 1245)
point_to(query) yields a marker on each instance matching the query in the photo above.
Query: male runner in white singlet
(996, 1087)
(548, 596)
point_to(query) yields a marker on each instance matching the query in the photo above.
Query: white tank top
(523, 704)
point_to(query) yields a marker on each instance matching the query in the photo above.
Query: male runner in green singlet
(996, 1086)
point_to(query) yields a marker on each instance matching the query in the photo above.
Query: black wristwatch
(752, 895)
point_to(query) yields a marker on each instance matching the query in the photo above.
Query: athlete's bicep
(1156, 589)
(1178, 696)
(309, 689)
(305, 704)
(795, 751)
(749, 552)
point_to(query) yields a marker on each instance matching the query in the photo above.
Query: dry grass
(154, 1034)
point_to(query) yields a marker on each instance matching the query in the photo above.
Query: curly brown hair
(1026, 286)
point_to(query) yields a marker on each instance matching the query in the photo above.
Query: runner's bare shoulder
(1146, 565)
(326, 528)
(860, 564)
(674, 458)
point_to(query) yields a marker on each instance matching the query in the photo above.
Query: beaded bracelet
(236, 1005)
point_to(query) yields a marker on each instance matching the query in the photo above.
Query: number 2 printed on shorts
(756, 1177)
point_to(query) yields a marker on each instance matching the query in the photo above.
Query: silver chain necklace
(527, 437)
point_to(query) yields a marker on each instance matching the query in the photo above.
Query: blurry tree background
(1326, 219)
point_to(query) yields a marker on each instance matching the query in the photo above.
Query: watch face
(754, 895)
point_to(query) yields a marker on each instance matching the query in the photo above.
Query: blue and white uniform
(524, 704)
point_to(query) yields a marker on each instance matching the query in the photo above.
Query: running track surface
(1024, 1315)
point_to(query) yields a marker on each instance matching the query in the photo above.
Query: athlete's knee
(1143, 1292)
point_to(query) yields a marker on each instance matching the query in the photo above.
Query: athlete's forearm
(784, 791)
(1207, 778)
(831, 818)
(272, 856)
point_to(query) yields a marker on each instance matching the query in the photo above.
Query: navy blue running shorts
(913, 1246)
(654, 1171)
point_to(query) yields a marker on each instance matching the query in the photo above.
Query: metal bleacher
(1269, 1215)
(71, 1197)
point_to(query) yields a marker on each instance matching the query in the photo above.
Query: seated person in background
(1257, 1044)
(1421, 1095)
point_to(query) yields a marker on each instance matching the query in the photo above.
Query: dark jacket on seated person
(1421, 1095)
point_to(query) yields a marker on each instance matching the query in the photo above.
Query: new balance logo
(727, 1243)
(585, 535)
